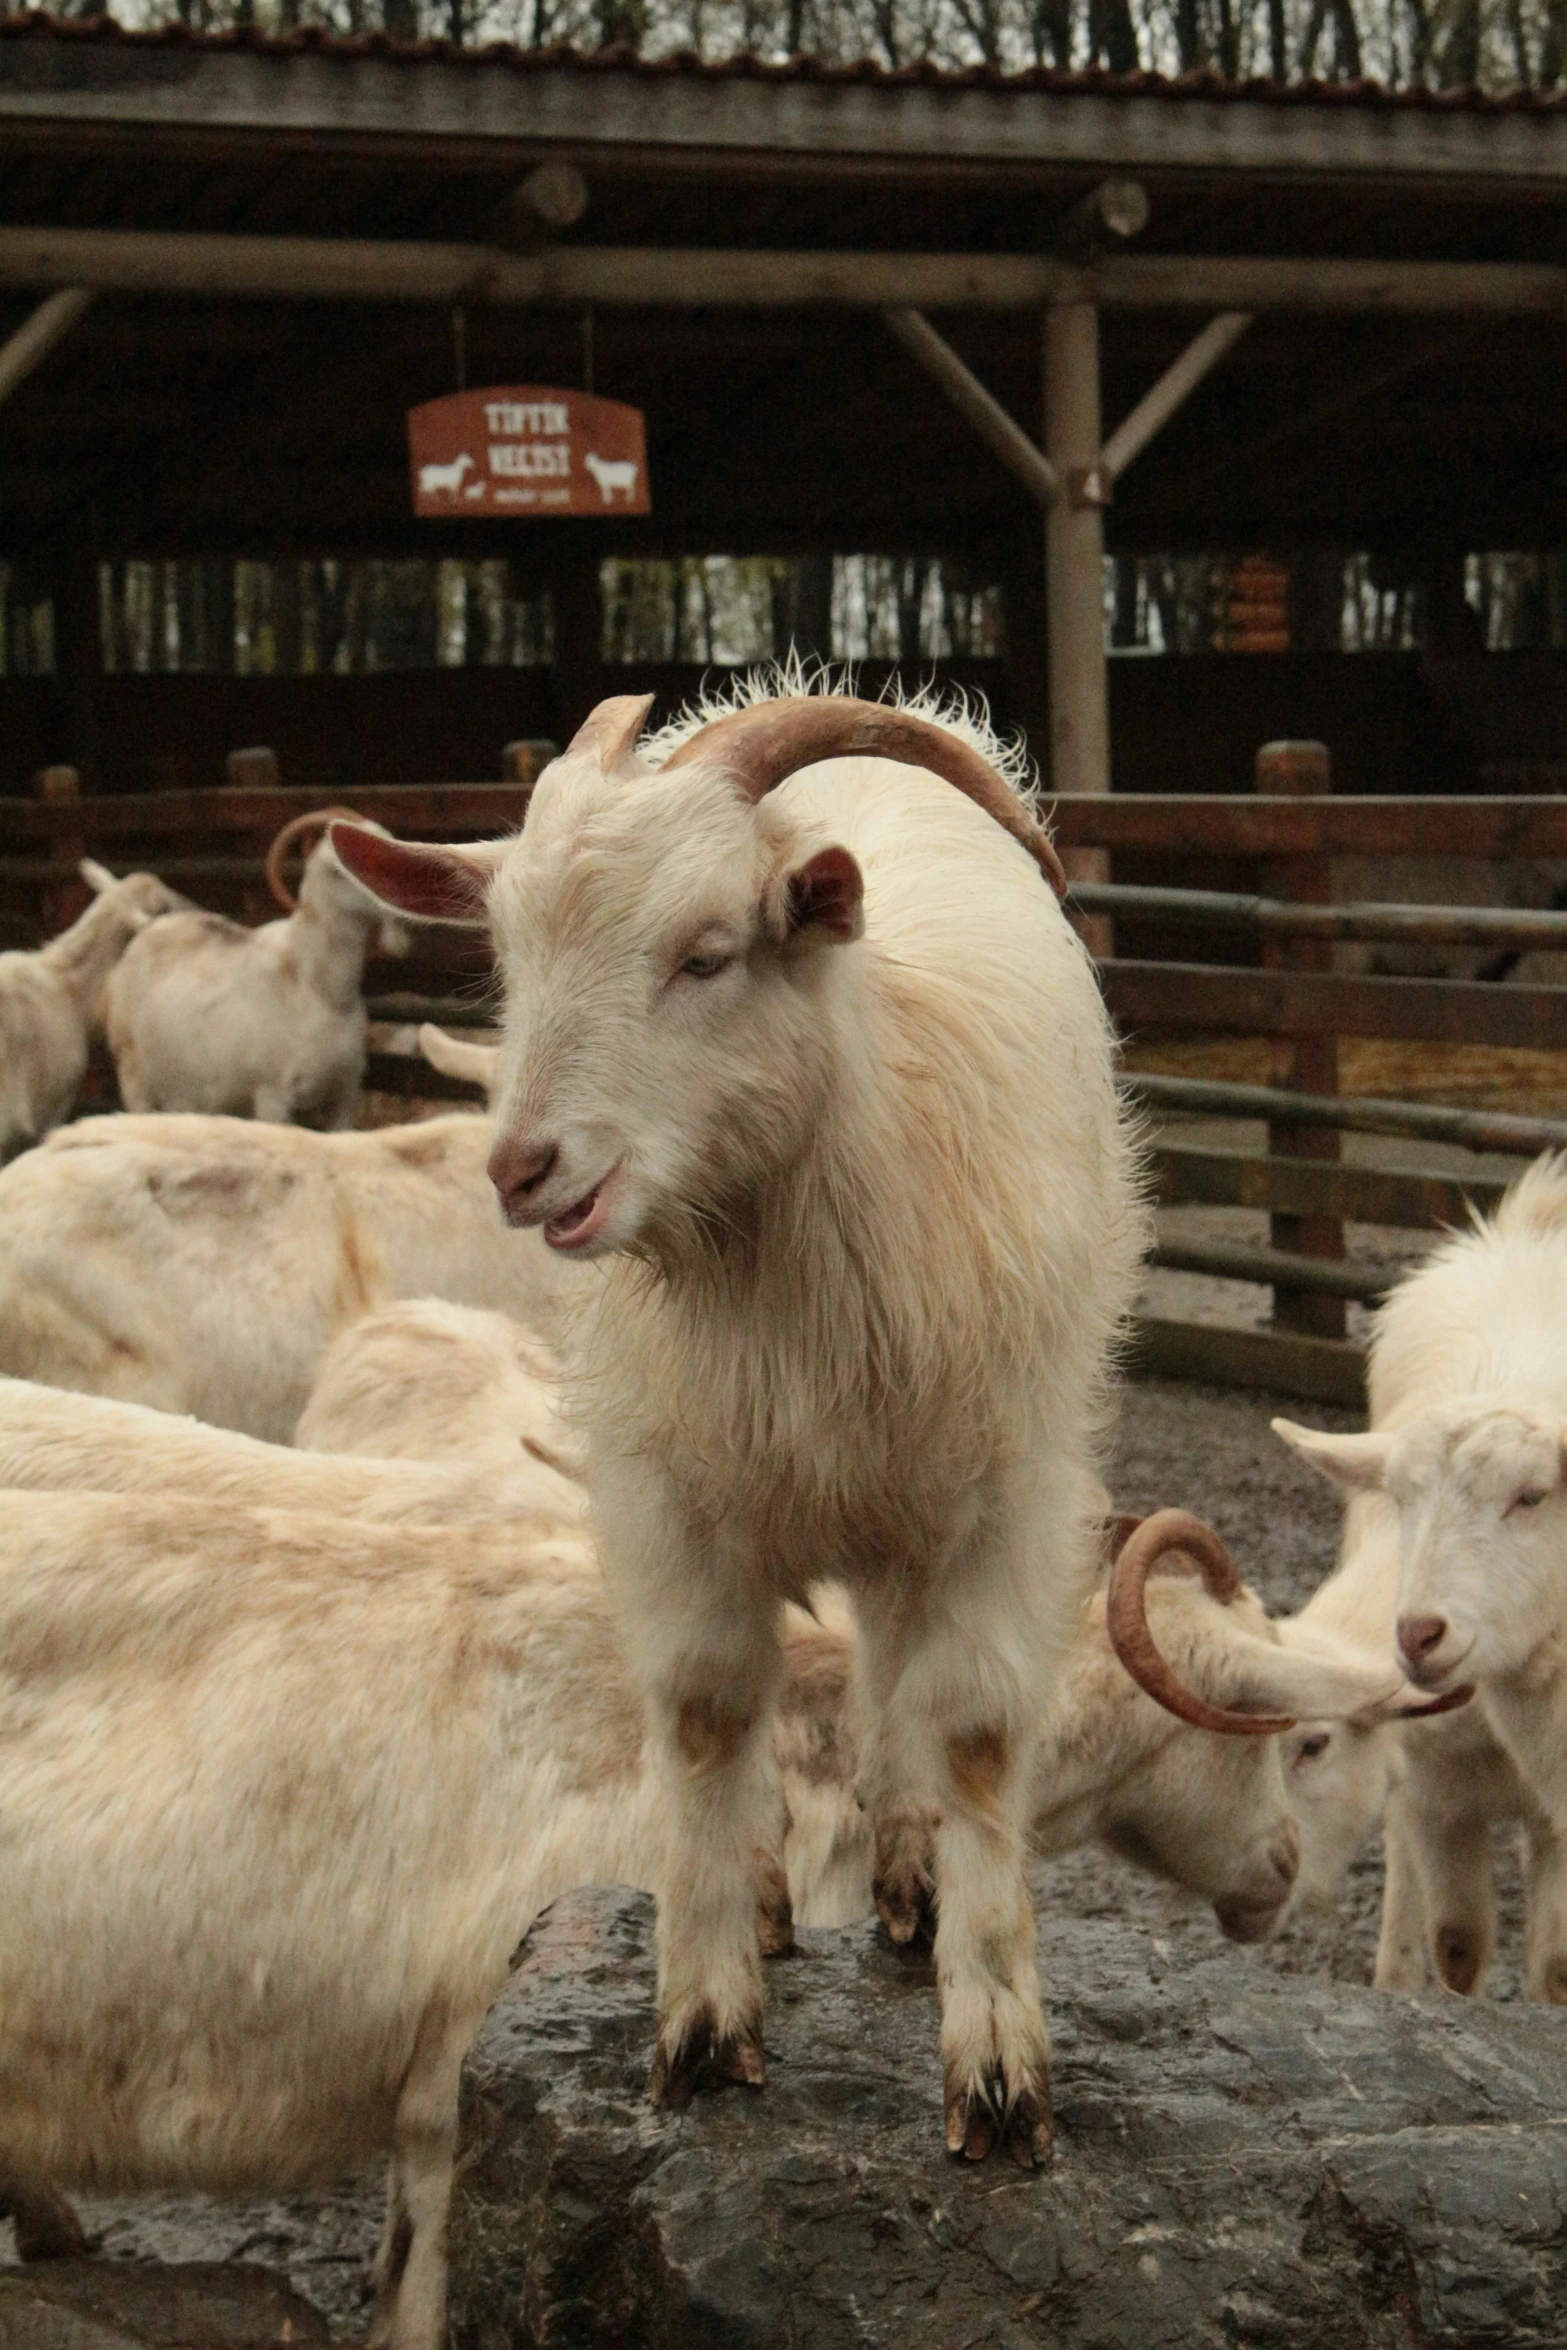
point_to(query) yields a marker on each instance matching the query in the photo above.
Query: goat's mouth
(1439, 1678)
(584, 1220)
(1248, 1920)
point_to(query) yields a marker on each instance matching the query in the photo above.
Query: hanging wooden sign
(526, 450)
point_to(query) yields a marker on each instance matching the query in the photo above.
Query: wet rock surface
(1212, 1450)
(203, 2305)
(1240, 2161)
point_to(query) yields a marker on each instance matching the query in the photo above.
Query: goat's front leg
(410, 2267)
(1403, 1942)
(1545, 1910)
(967, 1704)
(701, 1631)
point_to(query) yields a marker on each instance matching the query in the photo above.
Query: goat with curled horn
(795, 1039)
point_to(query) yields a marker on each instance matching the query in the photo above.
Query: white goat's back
(203, 1264)
(424, 1380)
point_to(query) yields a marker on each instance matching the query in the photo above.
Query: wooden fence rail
(1298, 1003)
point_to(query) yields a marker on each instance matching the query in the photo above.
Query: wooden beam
(1157, 405)
(1255, 826)
(482, 113)
(1327, 1370)
(448, 811)
(1444, 926)
(996, 428)
(1212, 997)
(345, 269)
(1472, 1130)
(1343, 1279)
(36, 338)
(1307, 1187)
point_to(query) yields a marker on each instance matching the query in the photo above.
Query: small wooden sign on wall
(525, 450)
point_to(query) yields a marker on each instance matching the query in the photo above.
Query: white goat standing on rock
(796, 1035)
(49, 1001)
(268, 1023)
(1459, 1508)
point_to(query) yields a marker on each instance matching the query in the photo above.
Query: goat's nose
(518, 1167)
(1419, 1635)
(1285, 1851)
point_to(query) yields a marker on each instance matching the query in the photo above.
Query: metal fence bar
(1203, 909)
(1478, 1130)
(1277, 1268)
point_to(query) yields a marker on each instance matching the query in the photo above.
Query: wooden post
(1074, 580)
(59, 902)
(1304, 1064)
(253, 769)
(525, 761)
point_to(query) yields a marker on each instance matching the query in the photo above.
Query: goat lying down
(202, 1265)
(1455, 1532)
(253, 1905)
(54, 1442)
(799, 1040)
(49, 1001)
(209, 1015)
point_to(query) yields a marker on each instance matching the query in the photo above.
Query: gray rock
(1242, 2161)
(108, 2305)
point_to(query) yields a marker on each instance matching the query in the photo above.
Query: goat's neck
(330, 948)
(82, 957)
(1529, 1711)
(1097, 1734)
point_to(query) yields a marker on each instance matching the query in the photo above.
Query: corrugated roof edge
(313, 40)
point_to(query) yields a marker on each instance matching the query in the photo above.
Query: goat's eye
(705, 966)
(1530, 1499)
(1311, 1747)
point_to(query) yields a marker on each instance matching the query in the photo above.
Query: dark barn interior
(180, 418)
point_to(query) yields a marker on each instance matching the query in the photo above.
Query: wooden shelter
(861, 309)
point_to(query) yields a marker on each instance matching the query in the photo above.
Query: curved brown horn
(1126, 1619)
(315, 820)
(611, 729)
(1448, 1704)
(770, 741)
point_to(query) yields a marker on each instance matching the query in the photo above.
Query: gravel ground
(1206, 1448)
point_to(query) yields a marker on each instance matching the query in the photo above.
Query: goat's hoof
(979, 2119)
(774, 1910)
(706, 2059)
(1556, 1982)
(1458, 1959)
(46, 2226)
(906, 1906)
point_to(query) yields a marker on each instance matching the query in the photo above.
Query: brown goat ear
(825, 894)
(430, 884)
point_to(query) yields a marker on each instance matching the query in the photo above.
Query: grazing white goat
(203, 1264)
(1460, 1503)
(49, 1001)
(253, 1907)
(797, 1037)
(204, 1014)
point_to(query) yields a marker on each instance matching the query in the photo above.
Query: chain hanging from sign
(525, 450)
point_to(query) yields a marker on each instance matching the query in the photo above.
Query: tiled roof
(314, 41)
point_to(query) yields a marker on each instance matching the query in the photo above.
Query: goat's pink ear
(431, 884)
(825, 894)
